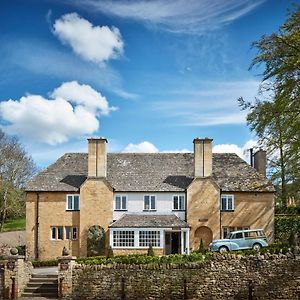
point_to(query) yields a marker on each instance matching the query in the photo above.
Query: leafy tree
(16, 168)
(275, 118)
(95, 241)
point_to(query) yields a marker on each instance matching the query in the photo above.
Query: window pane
(70, 206)
(229, 203)
(146, 202)
(223, 204)
(123, 238)
(53, 233)
(76, 202)
(68, 233)
(152, 202)
(124, 202)
(74, 233)
(175, 202)
(59, 233)
(118, 202)
(149, 237)
(181, 202)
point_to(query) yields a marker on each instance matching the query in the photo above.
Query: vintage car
(240, 240)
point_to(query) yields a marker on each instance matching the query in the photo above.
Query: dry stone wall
(230, 277)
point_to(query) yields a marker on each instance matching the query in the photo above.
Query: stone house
(169, 200)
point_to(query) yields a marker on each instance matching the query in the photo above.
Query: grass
(13, 225)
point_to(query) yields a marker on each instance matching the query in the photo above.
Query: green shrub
(110, 252)
(285, 227)
(45, 263)
(21, 249)
(150, 251)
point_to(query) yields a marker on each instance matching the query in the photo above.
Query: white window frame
(73, 230)
(226, 205)
(146, 235)
(56, 233)
(72, 205)
(178, 209)
(150, 208)
(126, 203)
(118, 232)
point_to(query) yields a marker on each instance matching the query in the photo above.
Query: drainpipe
(37, 224)
(220, 214)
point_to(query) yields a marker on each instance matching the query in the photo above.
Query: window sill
(149, 210)
(72, 209)
(121, 210)
(227, 210)
(178, 209)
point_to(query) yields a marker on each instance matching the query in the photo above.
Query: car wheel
(223, 249)
(256, 247)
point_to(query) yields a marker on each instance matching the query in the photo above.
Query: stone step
(42, 289)
(44, 295)
(44, 276)
(37, 284)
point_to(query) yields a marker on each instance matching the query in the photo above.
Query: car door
(237, 241)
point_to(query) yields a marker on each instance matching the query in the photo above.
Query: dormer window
(72, 202)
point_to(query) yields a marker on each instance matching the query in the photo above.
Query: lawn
(13, 225)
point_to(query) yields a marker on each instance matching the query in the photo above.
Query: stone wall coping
(190, 265)
(12, 257)
(63, 258)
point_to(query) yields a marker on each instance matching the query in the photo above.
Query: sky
(150, 76)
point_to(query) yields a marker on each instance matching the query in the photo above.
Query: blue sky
(147, 75)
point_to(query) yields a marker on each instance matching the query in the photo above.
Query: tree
(16, 168)
(275, 118)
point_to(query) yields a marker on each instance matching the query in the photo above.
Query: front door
(172, 243)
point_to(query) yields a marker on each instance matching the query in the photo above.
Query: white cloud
(242, 152)
(148, 147)
(143, 147)
(178, 16)
(56, 120)
(83, 94)
(92, 43)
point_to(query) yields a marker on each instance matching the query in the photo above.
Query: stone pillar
(65, 266)
(15, 274)
(202, 157)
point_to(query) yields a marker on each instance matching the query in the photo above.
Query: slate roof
(149, 221)
(150, 172)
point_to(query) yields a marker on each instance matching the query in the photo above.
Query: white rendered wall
(135, 204)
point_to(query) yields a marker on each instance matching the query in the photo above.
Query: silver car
(240, 240)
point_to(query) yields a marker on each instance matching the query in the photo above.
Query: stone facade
(159, 251)
(51, 212)
(95, 208)
(224, 277)
(203, 211)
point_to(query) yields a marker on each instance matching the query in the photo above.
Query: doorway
(172, 242)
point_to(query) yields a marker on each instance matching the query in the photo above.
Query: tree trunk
(4, 210)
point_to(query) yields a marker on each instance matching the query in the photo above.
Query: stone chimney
(260, 161)
(202, 157)
(97, 157)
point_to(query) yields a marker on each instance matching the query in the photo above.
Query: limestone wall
(221, 278)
